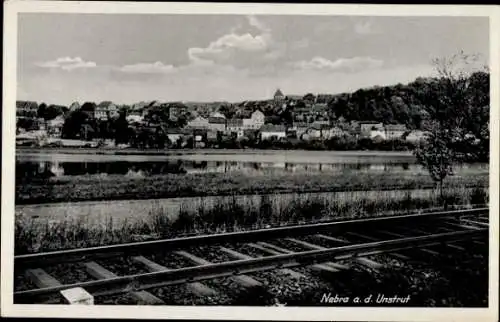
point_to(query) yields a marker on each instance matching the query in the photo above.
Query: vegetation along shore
(116, 187)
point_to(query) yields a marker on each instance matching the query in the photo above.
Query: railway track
(138, 269)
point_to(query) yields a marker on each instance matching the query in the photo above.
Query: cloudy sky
(128, 58)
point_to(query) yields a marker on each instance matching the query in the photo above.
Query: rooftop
(279, 93)
(395, 127)
(272, 128)
(235, 122)
(217, 120)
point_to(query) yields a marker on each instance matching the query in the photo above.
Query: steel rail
(92, 253)
(146, 281)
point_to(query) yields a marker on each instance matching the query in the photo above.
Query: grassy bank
(223, 215)
(117, 187)
(130, 151)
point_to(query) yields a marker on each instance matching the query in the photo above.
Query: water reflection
(45, 169)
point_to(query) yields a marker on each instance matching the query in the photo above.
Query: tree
(41, 110)
(436, 156)
(73, 124)
(122, 132)
(450, 102)
(49, 112)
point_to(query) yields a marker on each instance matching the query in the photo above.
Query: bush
(478, 196)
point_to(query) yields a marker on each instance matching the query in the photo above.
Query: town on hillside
(282, 121)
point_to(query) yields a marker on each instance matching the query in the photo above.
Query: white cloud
(67, 63)
(148, 68)
(228, 46)
(342, 64)
(233, 48)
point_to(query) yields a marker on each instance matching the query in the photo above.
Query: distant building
(278, 97)
(302, 113)
(216, 123)
(321, 123)
(299, 128)
(255, 122)
(319, 109)
(198, 123)
(54, 127)
(335, 132)
(212, 135)
(134, 116)
(366, 127)
(416, 136)
(174, 135)
(106, 110)
(395, 131)
(26, 108)
(376, 133)
(268, 131)
(234, 125)
(313, 132)
(317, 131)
(217, 115)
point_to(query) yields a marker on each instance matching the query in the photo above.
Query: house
(367, 126)
(54, 127)
(333, 132)
(301, 112)
(376, 133)
(395, 131)
(268, 131)
(216, 123)
(218, 115)
(255, 121)
(319, 109)
(212, 135)
(233, 125)
(298, 129)
(317, 131)
(135, 116)
(322, 124)
(105, 110)
(416, 136)
(26, 108)
(313, 132)
(198, 123)
(174, 135)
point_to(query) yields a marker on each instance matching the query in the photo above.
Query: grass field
(116, 187)
(224, 215)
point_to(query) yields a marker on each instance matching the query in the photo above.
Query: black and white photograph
(276, 157)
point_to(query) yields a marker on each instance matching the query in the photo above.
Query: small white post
(78, 296)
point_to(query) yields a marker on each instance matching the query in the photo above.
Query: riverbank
(128, 151)
(118, 187)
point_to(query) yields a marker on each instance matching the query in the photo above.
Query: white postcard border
(241, 313)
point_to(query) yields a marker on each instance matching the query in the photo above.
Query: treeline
(407, 104)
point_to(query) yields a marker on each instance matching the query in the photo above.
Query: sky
(127, 58)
